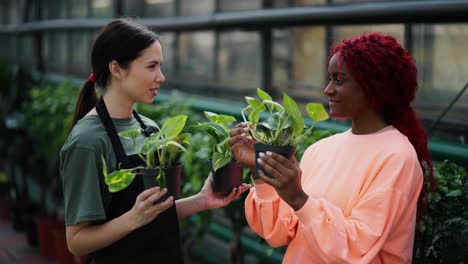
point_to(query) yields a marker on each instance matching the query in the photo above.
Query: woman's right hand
(242, 145)
(145, 209)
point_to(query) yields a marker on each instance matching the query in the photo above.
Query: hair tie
(91, 78)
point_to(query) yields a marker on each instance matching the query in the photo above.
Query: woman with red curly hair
(353, 198)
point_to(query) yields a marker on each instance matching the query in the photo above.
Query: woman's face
(345, 96)
(143, 77)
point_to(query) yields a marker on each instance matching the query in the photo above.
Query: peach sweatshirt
(363, 192)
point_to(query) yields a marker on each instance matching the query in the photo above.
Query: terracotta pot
(45, 226)
(227, 177)
(285, 151)
(62, 254)
(30, 228)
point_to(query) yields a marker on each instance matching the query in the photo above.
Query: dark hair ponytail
(86, 101)
(121, 40)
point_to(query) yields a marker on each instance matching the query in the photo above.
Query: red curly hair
(388, 76)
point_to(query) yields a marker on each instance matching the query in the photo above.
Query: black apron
(156, 242)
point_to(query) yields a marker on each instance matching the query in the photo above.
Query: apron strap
(148, 131)
(106, 120)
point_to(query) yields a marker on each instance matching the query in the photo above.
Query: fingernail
(269, 153)
(243, 135)
(246, 129)
(261, 154)
(259, 161)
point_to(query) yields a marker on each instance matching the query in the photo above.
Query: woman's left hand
(215, 200)
(286, 178)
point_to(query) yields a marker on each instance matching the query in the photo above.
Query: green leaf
(132, 133)
(219, 119)
(317, 112)
(435, 197)
(161, 178)
(263, 95)
(220, 160)
(291, 108)
(172, 146)
(252, 101)
(119, 180)
(272, 105)
(173, 126)
(217, 131)
(254, 116)
(454, 193)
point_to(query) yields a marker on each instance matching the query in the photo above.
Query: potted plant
(226, 171)
(284, 126)
(160, 152)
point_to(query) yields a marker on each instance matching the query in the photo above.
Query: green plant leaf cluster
(48, 117)
(284, 124)
(442, 232)
(218, 128)
(160, 150)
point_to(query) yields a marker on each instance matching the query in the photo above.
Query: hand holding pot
(242, 145)
(145, 208)
(286, 178)
(213, 200)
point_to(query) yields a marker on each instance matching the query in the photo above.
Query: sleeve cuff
(308, 211)
(264, 192)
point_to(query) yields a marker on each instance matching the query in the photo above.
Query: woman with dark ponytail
(128, 226)
(354, 196)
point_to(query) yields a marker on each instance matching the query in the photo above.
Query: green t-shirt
(80, 166)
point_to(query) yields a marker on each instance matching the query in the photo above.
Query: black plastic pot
(173, 179)
(227, 177)
(149, 177)
(285, 151)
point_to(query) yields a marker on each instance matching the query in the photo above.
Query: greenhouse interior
(217, 53)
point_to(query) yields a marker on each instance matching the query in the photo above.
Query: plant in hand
(226, 172)
(159, 151)
(283, 128)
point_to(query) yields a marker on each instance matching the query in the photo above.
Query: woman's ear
(115, 70)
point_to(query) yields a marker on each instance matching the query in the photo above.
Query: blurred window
(197, 8)
(149, 8)
(356, 1)
(77, 8)
(291, 3)
(102, 8)
(239, 5)
(159, 8)
(56, 45)
(439, 51)
(196, 56)
(239, 59)
(11, 12)
(79, 63)
(167, 41)
(27, 51)
(54, 9)
(299, 61)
